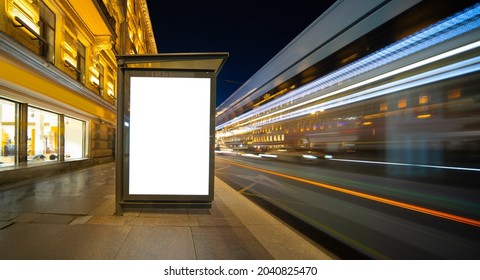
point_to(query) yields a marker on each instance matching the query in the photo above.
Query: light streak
(309, 157)
(268, 156)
(414, 81)
(410, 164)
(250, 155)
(387, 201)
(451, 27)
(417, 80)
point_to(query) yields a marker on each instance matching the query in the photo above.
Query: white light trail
(437, 33)
(410, 164)
(368, 81)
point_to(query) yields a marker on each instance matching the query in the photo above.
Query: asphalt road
(384, 213)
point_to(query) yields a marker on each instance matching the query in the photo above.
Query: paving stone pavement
(71, 217)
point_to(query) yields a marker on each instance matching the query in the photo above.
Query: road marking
(246, 188)
(408, 206)
(221, 168)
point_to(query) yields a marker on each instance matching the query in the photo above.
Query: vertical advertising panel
(169, 136)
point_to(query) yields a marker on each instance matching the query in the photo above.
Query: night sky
(252, 32)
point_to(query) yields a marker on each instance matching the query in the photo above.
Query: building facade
(58, 81)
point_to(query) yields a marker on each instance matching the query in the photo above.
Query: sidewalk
(71, 216)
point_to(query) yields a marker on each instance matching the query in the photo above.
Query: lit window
(35, 18)
(453, 94)
(7, 133)
(47, 31)
(383, 107)
(74, 138)
(424, 98)
(402, 103)
(101, 79)
(111, 83)
(42, 135)
(81, 63)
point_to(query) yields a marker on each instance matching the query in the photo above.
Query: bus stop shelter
(166, 130)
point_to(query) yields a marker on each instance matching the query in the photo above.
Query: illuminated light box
(165, 130)
(169, 131)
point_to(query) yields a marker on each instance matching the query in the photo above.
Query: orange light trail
(408, 206)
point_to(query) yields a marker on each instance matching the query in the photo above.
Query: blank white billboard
(169, 136)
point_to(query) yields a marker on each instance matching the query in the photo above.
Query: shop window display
(42, 135)
(74, 138)
(7, 133)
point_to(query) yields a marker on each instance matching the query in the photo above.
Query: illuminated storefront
(58, 77)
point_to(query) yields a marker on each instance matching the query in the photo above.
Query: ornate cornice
(152, 46)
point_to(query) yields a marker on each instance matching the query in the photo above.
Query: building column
(22, 137)
(61, 137)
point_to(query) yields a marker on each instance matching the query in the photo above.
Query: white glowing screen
(169, 136)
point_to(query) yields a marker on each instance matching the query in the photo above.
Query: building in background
(58, 81)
